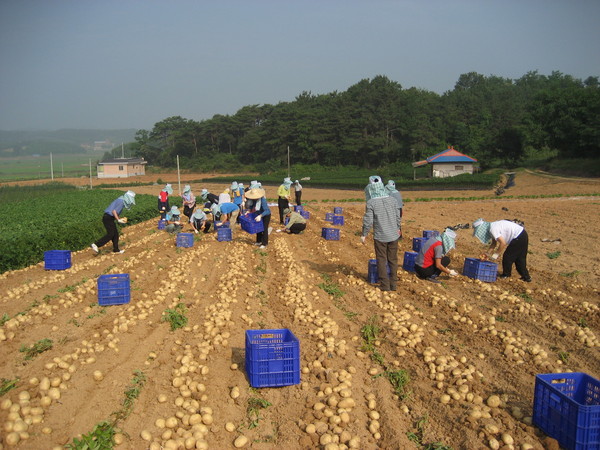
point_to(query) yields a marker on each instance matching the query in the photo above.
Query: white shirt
(506, 229)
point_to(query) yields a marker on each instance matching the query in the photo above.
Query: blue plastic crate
(272, 358)
(409, 261)
(417, 243)
(430, 233)
(305, 214)
(330, 234)
(162, 223)
(337, 220)
(185, 240)
(298, 208)
(250, 225)
(224, 234)
(113, 289)
(57, 259)
(329, 217)
(372, 274)
(480, 270)
(566, 406)
(338, 210)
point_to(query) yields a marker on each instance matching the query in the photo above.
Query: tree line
(376, 122)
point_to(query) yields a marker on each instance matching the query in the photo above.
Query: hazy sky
(129, 64)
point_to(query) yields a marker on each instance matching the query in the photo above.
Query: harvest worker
(237, 194)
(224, 196)
(263, 212)
(199, 221)
(229, 212)
(283, 197)
(382, 214)
(163, 200)
(111, 214)
(511, 239)
(296, 224)
(189, 201)
(208, 197)
(396, 195)
(298, 192)
(174, 220)
(432, 259)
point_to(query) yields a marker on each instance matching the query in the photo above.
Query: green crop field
(36, 167)
(56, 216)
(357, 178)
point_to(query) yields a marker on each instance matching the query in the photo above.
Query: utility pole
(178, 176)
(288, 148)
(51, 167)
(90, 173)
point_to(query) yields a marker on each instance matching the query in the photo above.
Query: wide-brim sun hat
(287, 211)
(255, 193)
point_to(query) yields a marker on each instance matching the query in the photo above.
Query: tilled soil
(461, 342)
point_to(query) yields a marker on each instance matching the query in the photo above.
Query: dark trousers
(387, 253)
(282, 203)
(263, 236)
(112, 234)
(198, 225)
(298, 198)
(426, 272)
(516, 253)
(163, 209)
(297, 228)
(188, 210)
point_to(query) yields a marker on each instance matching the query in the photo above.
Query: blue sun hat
(481, 230)
(168, 189)
(198, 215)
(448, 238)
(287, 182)
(391, 186)
(234, 186)
(187, 188)
(175, 211)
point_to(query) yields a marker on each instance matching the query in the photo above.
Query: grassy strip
(399, 379)
(331, 287)
(7, 384)
(39, 347)
(176, 316)
(102, 437)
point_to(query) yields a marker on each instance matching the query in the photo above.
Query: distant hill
(22, 143)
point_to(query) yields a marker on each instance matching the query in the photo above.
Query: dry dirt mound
(461, 341)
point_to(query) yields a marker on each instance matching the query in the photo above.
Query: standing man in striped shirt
(383, 215)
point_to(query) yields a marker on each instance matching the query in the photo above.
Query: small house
(448, 163)
(122, 168)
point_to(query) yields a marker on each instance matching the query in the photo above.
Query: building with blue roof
(448, 163)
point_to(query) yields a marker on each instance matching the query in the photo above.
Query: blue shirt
(263, 209)
(116, 205)
(227, 208)
(237, 196)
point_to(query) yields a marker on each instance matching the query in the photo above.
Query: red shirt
(429, 257)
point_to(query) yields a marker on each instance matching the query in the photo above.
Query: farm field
(65, 165)
(464, 344)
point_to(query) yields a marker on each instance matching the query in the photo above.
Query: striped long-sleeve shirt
(382, 214)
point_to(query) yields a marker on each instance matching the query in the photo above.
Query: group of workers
(383, 214)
